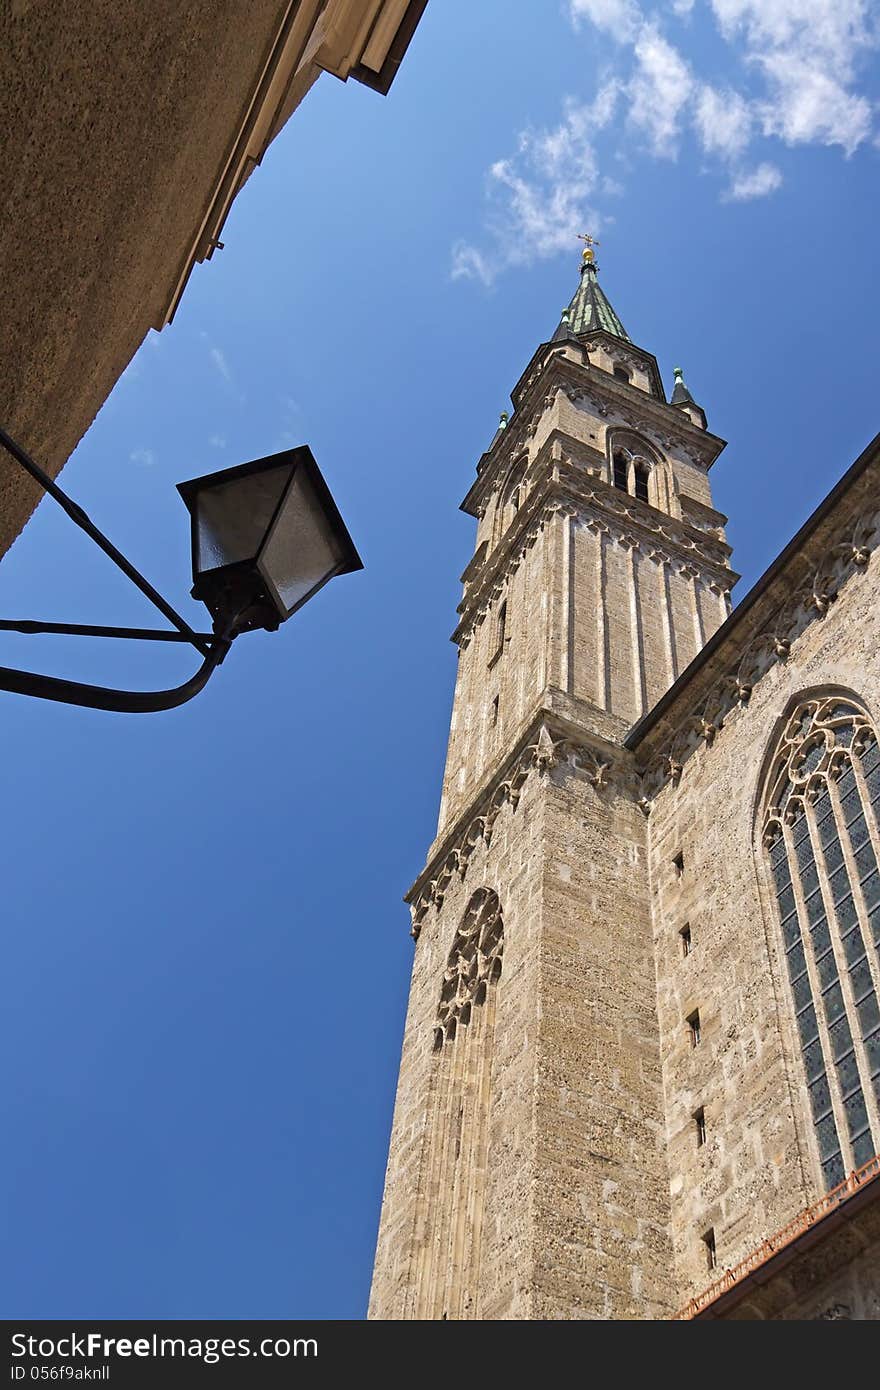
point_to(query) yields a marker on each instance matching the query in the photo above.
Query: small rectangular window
(700, 1126)
(494, 715)
(693, 1024)
(709, 1246)
(678, 864)
(685, 938)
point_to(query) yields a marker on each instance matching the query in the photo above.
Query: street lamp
(266, 536)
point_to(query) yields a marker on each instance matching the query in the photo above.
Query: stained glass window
(821, 832)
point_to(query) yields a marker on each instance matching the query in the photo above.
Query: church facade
(641, 1063)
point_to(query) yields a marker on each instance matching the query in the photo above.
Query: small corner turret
(682, 398)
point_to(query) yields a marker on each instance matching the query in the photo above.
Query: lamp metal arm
(119, 701)
(78, 516)
(213, 646)
(141, 634)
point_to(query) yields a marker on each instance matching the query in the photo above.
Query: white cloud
(809, 52)
(217, 441)
(603, 108)
(145, 457)
(540, 198)
(809, 105)
(793, 76)
(723, 122)
(659, 91)
(835, 28)
(219, 360)
(756, 184)
(622, 19)
(469, 263)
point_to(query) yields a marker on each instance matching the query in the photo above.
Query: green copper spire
(564, 329)
(682, 398)
(590, 309)
(680, 393)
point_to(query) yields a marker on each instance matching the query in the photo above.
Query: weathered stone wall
(611, 1039)
(573, 1206)
(117, 119)
(512, 670)
(601, 1243)
(593, 606)
(759, 1166)
(512, 866)
(602, 608)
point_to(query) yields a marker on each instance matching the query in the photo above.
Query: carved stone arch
(510, 494)
(641, 454)
(817, 831)
(449, 1223)
(784, 733)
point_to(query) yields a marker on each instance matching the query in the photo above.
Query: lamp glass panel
(233, 517)
(303, 549)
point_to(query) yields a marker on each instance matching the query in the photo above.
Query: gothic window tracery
(632, 465)
(474, 963)
(821, 836)
(456, 1157)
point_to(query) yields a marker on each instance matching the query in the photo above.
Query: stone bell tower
(527, 1174)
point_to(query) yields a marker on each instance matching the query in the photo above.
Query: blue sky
(207, 955)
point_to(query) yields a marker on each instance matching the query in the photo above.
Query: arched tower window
(622, 373)
(638, 469)
(821, 837)
(500, 633)
(512, 496)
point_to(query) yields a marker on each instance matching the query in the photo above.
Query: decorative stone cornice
(647, 416)
(628, 353)
(603, 393)
(845, 552)
(568, 489)
(544, 747)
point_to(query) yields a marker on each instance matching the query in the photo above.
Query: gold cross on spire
(590, 242)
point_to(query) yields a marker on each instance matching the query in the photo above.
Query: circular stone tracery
(819, 740)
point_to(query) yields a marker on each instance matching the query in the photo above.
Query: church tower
(527, 1176)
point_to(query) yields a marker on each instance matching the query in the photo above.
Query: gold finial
(588, 252)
